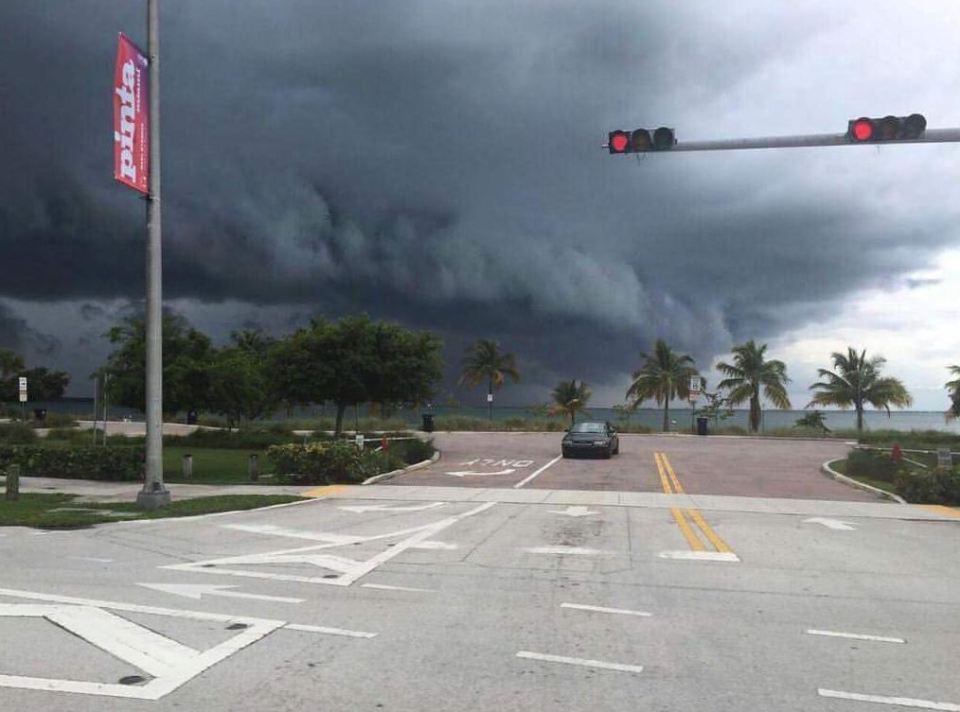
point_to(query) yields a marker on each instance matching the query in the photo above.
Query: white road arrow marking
(575, 511)
(602, 664)
(856, 636)
(884, 700)
(700, 555)
(470, 473)
(360, 508)
(198, 590)
(168, 662)
(564, 550)
(349, 570)
(835, 524)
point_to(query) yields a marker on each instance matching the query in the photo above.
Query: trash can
(191, 417)
(428, 422)
(702, 426)
(40, 414)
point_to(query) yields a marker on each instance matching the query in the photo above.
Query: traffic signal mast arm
(865, 130)
(804, 141)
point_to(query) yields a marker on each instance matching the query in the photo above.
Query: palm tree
(485, 362)
(855, 381)
(953, 389)
(749, 374)
(569, 398)
(664, 375)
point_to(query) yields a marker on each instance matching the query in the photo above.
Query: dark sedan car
(591, 438)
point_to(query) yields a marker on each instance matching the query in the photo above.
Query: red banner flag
(131, 117)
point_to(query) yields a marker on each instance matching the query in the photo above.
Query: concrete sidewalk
(95, 491)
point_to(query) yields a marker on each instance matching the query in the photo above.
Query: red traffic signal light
(861, 129)
(618, 142)
(888, 128)
(641, 140)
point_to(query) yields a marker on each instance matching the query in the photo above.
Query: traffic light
(640, 140)
(888, 128)
(618, 142)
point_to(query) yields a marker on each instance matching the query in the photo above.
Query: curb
(408, 468)
(833, 474)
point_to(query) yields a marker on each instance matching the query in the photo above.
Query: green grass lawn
(214, 465)
(841, 467)
(40, 510)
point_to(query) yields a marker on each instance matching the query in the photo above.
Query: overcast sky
(439, 164)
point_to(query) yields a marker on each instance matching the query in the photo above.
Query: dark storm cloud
(439, 163)
(16, 334)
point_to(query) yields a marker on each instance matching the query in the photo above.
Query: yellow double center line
(671, 485)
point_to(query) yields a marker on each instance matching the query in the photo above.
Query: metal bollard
(13, 483)
(187, 466)
(253, 468)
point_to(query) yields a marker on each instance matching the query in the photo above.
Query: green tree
(570, 398)
(187, 354)
(751, 376)
(856, 382)
(239, 383)
(717, 407)
(44, 384)
(814, 420)
(953, 390)
(664, 376)
(11, 364)
(485, 363)
(356, 361)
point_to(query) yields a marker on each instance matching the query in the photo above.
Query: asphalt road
(746, 467)
(472, 598)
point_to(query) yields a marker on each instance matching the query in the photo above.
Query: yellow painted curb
(325, 491)
(940, 509)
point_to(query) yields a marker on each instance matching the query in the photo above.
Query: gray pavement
(751, 467)
(427, 597)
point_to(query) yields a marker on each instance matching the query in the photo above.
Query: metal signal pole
(154, 494)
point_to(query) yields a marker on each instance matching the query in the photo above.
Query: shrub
(16, 434)
(317, 462)
(915, 439)
(55, 420)
(212, 421)
(369, 425)
(92, 463)
(873, 464)
(242, 439)
(936, 486)
(410, 452)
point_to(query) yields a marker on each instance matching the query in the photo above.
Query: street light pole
(154, 494)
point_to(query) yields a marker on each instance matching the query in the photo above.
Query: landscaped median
(254, 455)
(915, 478)
(64, 511)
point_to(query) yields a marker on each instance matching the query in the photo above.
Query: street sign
(489, 397)
(23, 389)
(694, 387)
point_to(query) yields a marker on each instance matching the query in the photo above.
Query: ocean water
(681, 417)
(772, 419)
